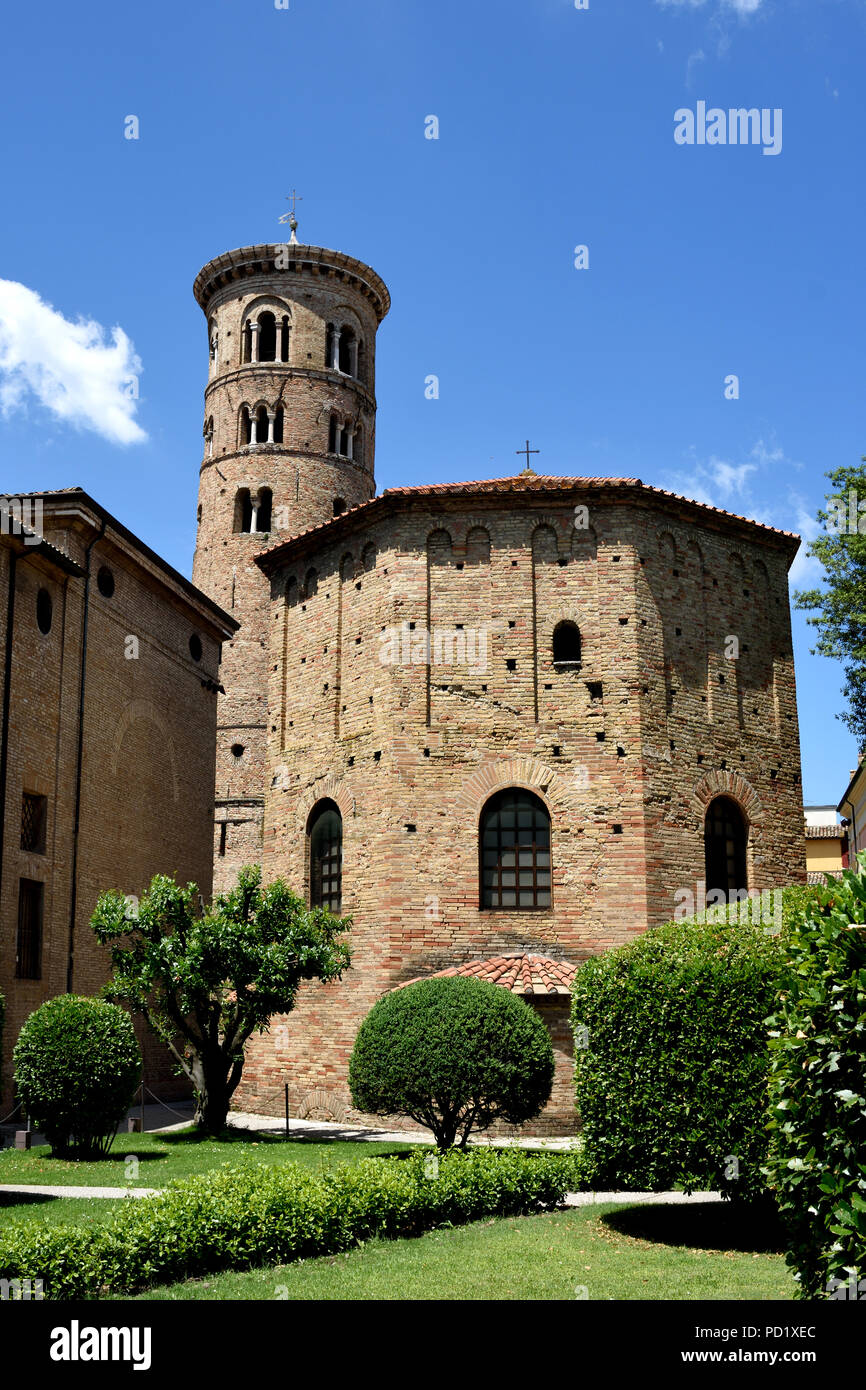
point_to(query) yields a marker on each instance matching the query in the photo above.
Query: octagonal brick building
(508, 722)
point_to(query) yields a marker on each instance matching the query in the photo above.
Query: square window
(34, 818)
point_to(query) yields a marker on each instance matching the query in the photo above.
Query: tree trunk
(212, 1092)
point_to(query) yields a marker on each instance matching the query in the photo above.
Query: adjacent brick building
(109, 664)
(489, 720)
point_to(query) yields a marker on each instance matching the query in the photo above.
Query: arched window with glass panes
(326, 856)
(514, 853)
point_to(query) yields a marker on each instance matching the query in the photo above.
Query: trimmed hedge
(454, 1054)
(817, 1159)
(77, 1067)
(237, 1219)
(671, 1057)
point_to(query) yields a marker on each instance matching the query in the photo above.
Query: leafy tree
(841, 604)
(209, 980)
(817, 1158)
(454, 1054)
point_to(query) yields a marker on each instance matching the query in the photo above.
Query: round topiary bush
(672, 1058)
(77, 1067)
(453, 1054)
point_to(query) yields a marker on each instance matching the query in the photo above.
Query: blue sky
(556, 129)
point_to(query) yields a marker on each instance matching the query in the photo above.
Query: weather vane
(291, 218)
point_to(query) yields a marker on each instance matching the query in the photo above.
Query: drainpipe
(854, 828)
(73, 896)
(7, 700)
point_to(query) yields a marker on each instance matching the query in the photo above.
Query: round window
(105, 581)
(44, 610)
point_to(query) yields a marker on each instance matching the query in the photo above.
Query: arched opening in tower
(267, 337)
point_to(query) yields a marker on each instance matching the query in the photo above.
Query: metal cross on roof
(527, 451)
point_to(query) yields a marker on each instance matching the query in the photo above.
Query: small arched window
(333, 434)
(245, 430)
(329, 345)
(267, 337)
(566, 646)
(44, 611)
(278, 425)
(247, 354)
(261, 432)
(514, 852)
(348, 362)
(326, 856)
(725, 838)
(265, 508)
(284, 338)
(243, 510)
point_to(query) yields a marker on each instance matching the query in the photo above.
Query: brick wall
(626, 752)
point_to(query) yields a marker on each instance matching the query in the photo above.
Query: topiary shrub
(817, 1159)
(671, 1058)
(453, 1054)
(77, 1068)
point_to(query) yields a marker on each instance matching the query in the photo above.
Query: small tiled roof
(522, 974)
(820, 875)
(826, 832)
(526, 482)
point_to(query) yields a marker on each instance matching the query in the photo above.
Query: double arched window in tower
(344, 351)
(253, 511)
(346, 439)
(265, 337)
(261, 424)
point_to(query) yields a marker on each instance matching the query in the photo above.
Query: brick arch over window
(734, 785)
(495, 775)
(138, 712)
(329, 789)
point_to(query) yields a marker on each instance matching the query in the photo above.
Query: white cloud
(806, 570)
(70, 368)
(693, 59)
(718, 483)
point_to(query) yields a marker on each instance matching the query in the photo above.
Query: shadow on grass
(24, 1199)
(723, 1226)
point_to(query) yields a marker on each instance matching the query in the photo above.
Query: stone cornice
(247, 263)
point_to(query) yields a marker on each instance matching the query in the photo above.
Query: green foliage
(77, 1068)
(817, 1159)
(841, 604)
(240, 1219)
(213, 978)
(454, 1054)
(671, 1056)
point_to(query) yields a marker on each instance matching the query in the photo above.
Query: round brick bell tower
(289, 443)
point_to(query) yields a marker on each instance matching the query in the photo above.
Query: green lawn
(162, 1157)
(19, 1210)
(660, 1252)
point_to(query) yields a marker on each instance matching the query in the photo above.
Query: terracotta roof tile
(517, 483)
(521, 974)
(826, 832)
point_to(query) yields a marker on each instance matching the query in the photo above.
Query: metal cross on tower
(527, 451)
